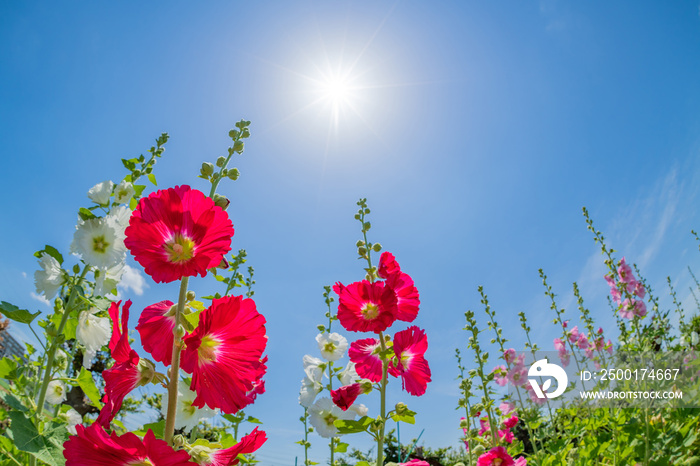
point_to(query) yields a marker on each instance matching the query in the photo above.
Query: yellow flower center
(329, 419)
(207, 349)
(179, 249)
(370, 311)
(329, 347)
(143, 462)
(497, 462)
(99, 244)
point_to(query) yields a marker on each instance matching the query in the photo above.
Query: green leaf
(253, 420)
(51, 251)
(87, 383)
(85, 214)
(12, 402)
(47, 448)
(12, 312)
(158, 428)
(152, 179)
(341, 448)
(351, 427)
(8, 369)
(193, 318)
(138, 188)
(133, 203)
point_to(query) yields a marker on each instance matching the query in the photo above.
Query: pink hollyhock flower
(565, 324)
(614, 291)
(627, 309)
(415, 462)
(574, 335)
(364, 353)
(485, 426)
(583, 342)
(387, 265)
(93, 447)
(366, 307)
(506, 408)
(517, 375)
(407, 298)
(506, 435)
(224, 353)
(520, 462)
(640, 308)
(559, 345)
(410, 346)
(639, 290)
(497, 456)
(156, 326)
(609, 347)
(500, 375)
(345, 396)
(600, 330)
(509, 355)
(624, 271)
(589, 352)
(128, 372)
(511, 422)
(178, 232)
(248, 444)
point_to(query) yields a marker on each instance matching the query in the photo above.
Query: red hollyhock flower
(178, 232)
(407, 296)
(368, 364)
(409, 346)
(248, 444)
(128, 372)
(366, 307)
(224, 353)
(497, 456)
(345, 396)
(93, 447)
(156, 327)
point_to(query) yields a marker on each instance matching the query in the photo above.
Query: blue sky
(477, 131)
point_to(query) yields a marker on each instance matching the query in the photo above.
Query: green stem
(382, 409)
(215, 183)
(175, 366)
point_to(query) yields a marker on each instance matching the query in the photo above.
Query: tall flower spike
(178, 232)
(366, 307)
(224, 353)
(410, 346)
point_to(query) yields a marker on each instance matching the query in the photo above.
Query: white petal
(101, 192)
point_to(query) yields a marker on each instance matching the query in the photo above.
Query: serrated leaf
(47, 448)
(12, 402)
(152, 179)
(12, 312)
(87, 383)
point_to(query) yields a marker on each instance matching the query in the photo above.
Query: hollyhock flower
(73, 418)
(228, 457)
(511, 422)
(359, 409)
(349, 374)
(387, 265)
(364, 353)
(332, 346)
(408, 300)
(533, 396)
(485, 426)
(56, 393)
(314, 367)
(520, 461)
(639, 290)
(497, 456)
(309, 389)
(614, 291)
(187, 416)
(574, 335)
(506, 435)
(258, 383)
(624, 271)
(128, 372)
(500, 375)
(694, 338)
(410, 346)
(509, 355)
(415, 462)
(345, 396)
(583, 343)
(506, 408)
(49, 279)
(366, 307)
(178, 232)
(224, 353)
(609, 347)
(517, 375)
(322, 415)
(119, 217)
(93, 447)
(589, 352)
(156, 325)
(93, 333)
(100, 193)
(99, 242)
(106, 280)
(124, 192)
(640, 308)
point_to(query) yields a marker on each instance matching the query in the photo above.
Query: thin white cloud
(132, 280)
(24, 274)
(40, 298)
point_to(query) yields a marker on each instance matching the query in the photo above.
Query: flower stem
(382, 409)
(175, 366)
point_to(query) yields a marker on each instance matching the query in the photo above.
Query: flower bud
(178, 441)
(207, 169)
(362, 251)
(401, 408)
(147, 370)
(366, 386)
(221, 201)
(191, 295)
(220, 161)
(238, 146)
(376, 247)
(233, 134)
(234, 173)
(223, 265)
(180, 331)
(464, 424)
(478, 449)
(360, 243)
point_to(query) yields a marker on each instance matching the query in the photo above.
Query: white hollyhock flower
(56, 392)
(323, 413)
(93, 333)
(119, 217)
(314, 367)
(349, 374)
(359, 409)
(49, 278)
(332, 346)
(186, 415)
(101, 192)
(99, 242)
(309, 390)
(124, 192)
(74, 418)
(694, 338)
(107, 280)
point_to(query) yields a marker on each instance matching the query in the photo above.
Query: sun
(337, 90)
